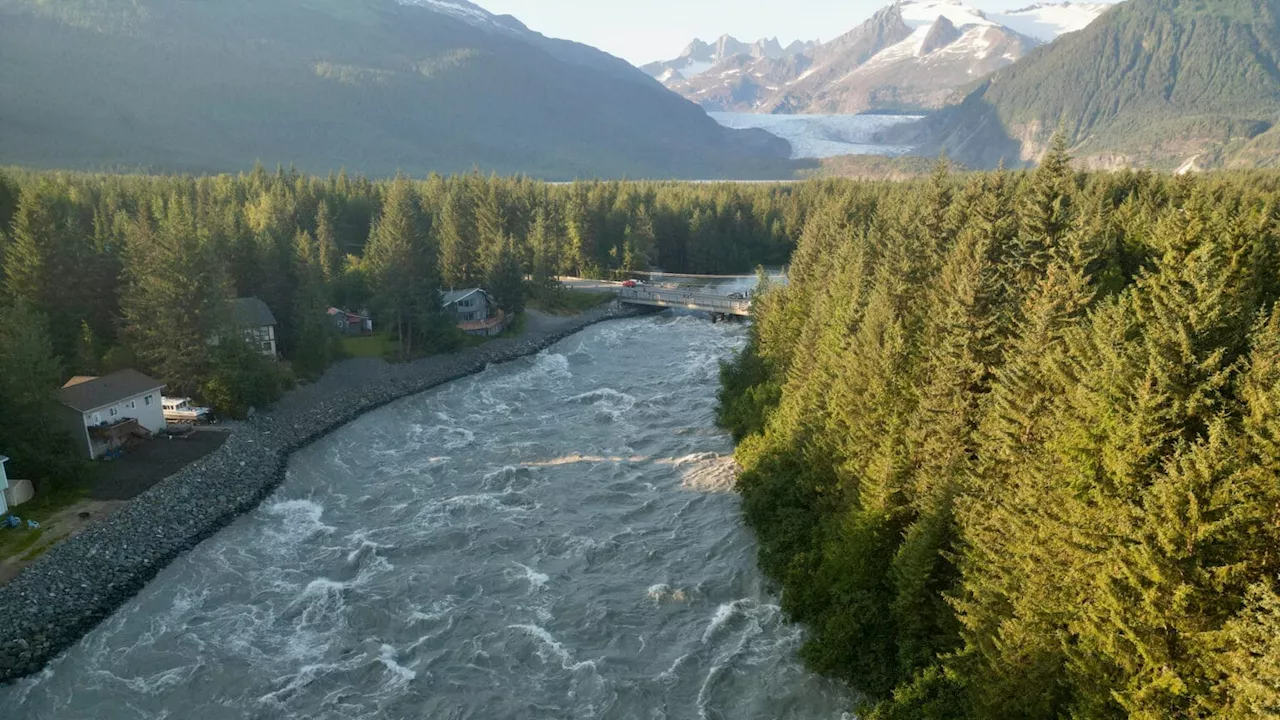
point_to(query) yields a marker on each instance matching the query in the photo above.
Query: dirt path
(63, 524)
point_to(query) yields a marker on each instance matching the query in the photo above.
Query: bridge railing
(706, 302)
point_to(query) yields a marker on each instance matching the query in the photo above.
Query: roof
(3, 459)
(348, 313)
(107, 390)
(251, 312)
(79, 379)
(450, 297)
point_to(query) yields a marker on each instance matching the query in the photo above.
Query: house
(103, 413)
(4, 485)
(475, 311)
(468, 305)
(349, 323)
(256, 323)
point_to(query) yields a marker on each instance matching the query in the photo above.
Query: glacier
(823, 136)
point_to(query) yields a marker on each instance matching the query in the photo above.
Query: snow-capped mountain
(699, 56)
(911, 55)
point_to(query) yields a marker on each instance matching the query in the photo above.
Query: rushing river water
(552, 538)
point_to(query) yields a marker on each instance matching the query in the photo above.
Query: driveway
(151, 462)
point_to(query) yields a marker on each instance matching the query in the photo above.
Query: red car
(629, 283)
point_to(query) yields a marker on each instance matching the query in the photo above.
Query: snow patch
(923, 13)
(1046, 22)
(695, 68)
(464, 11)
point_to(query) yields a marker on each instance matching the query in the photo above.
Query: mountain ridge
(1169, 84)
(949, 44)
(377, 86)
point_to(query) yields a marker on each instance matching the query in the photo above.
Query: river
(551, 538)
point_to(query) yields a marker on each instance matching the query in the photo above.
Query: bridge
(676, 298)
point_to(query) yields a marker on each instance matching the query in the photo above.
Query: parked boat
(180, 410)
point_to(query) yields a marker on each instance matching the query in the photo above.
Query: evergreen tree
(545, 284)
(48, 264)
(506, 281)
(457, 238)
(30, 376)
(312, 332)
(392, 261)
(330, 256)
(177, 296)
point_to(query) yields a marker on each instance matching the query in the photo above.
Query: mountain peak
(942, 33)
(910, 55)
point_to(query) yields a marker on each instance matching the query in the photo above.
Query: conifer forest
(103, 272)
(1010, 443)
(1009, 440)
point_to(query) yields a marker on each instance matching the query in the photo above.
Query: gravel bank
(77, 584)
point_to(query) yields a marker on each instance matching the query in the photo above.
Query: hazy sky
(642, 31)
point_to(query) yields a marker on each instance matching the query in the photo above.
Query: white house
(4, 485)
(256, 323)
(103, 413)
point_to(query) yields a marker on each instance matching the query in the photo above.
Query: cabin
(104, 413)
(349, 323)
(256, 324)
(475, 311)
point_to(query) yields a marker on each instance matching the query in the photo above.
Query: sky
(642, 31)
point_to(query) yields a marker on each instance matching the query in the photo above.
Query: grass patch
(379, 345)
(569, 302)
(19, 541)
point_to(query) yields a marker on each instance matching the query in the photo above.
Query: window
(147, 400)
(133, 404)
(113, 412)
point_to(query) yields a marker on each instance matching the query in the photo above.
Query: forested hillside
(1010, 444)
(104, 272)
(1152, 83)
(377, 86)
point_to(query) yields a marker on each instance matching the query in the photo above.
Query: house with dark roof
(104, 413)
(467, 305)
(256, 324)
(475, 311)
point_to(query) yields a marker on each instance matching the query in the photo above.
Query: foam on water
(388, 659)
(708, 472)
(536, 579)
(301, 521)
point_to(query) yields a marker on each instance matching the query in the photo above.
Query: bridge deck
(705, 302)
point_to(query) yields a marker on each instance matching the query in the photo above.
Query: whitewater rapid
(552, 538)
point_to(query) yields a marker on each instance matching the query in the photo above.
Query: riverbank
(80, 582)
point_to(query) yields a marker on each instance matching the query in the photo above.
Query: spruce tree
(177, 297)
(330, 256)
(506, 281)
(457, 238)
(391, 260)
(30, 375)
(311, 329)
